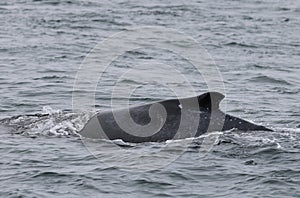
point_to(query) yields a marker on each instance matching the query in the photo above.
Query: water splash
(51, 122)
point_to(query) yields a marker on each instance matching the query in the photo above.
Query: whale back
(104, 126)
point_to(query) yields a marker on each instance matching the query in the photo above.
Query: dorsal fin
(210, 100)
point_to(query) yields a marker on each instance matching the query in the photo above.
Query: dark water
(256, 46)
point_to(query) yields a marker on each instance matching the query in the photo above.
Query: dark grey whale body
(205, 116)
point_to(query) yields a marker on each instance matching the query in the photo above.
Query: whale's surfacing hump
(165, 120)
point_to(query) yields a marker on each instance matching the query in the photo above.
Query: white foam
(52, 122)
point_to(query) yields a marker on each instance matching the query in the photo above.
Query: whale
(166, 120)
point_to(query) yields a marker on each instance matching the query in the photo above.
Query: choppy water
(256, 46)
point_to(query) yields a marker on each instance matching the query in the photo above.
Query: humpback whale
(165, 120)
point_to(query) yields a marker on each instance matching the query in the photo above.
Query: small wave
(267, 79)
(121, 143)
(260, 66)
(47, 71)
(286, 90)
(130, 81)
(53, 2)
(283, 9)
(240, 45)
(50, 174)
(50, 77)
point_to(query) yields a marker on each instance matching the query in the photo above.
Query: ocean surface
(43, 43)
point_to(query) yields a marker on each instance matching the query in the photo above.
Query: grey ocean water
(255, 44)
